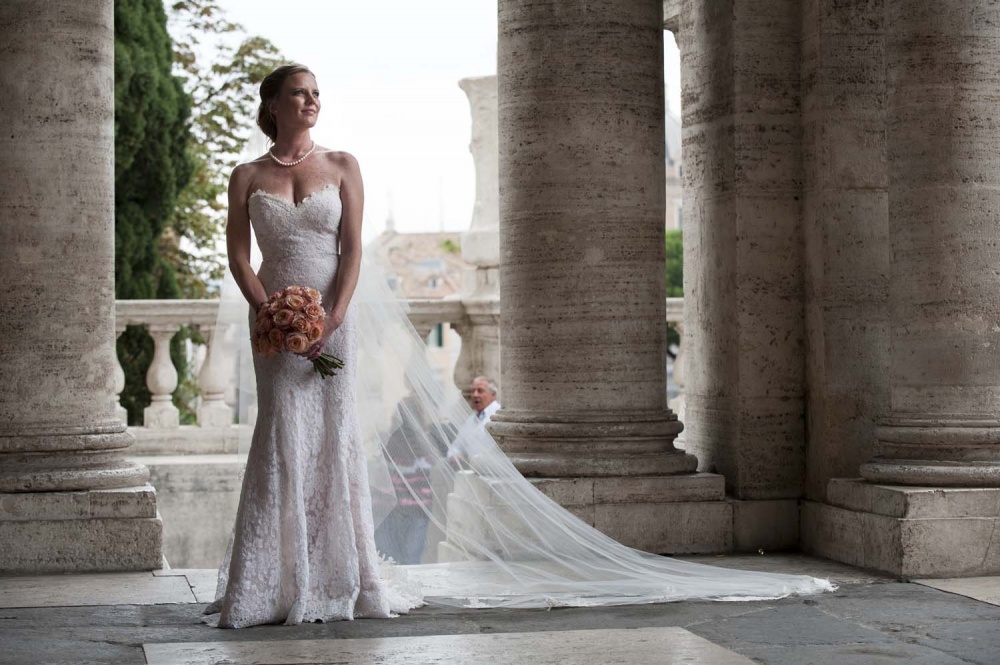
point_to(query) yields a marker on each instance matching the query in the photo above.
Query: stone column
(582, 292)
(480, 332)
(944, 226)
(70, 500)
(744, 333)
(931, 506)
(845, 236)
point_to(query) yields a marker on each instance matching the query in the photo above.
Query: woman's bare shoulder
(246, 172)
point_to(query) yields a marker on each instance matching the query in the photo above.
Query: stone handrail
(471, 318)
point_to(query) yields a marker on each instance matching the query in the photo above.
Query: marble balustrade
(161, 431)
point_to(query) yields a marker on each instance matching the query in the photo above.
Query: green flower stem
(327, 365)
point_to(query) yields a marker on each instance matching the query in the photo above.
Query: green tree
(674, 275)
(221, 68)
(152, 166)
(675, 264)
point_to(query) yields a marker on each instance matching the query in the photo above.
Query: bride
(333, 459)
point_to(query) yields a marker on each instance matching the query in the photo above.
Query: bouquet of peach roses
(292, 320)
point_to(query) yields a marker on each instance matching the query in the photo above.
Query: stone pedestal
(907, 531)
(62, 441)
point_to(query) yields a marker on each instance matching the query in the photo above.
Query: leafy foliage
(221, 68)
(152, 166)
(675, 264)
(674, 275)
(172, 165)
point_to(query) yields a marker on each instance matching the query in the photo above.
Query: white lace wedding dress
(303, 547)
(323, 469)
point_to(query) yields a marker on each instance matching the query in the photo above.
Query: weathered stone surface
(94, 589)
(582, 178)
(197, 496)
(743, 323)
(944, 211)
(669, 528)
(765, 525)
(958, 546)
(913, 502)
(125, 502)
(91, 545)
(845, 234)
(633, 489)
(664, 645)
(59, 425)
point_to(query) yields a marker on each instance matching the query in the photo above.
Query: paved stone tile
(984, 589)
(853, 654)
(201, 580)
(93, 589)
(664, 646)
(793, 564)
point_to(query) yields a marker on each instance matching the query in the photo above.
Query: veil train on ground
(475, 533)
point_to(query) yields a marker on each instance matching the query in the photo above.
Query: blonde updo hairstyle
(270, 88)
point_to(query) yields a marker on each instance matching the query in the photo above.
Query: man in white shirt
(484, 404)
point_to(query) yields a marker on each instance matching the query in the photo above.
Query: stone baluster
(161, 379)
(120, 410)
(213, 380)
(675, 317)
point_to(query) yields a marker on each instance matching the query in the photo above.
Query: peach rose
(300, 323)
(295, 302)
(283, 317)
(274, 306)
(314, 311)
(276, 338)
(262, 346)
(315, 332)
(264, 325)
(313, 295)
(296, 342)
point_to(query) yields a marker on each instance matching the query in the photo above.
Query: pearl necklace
(297, 161)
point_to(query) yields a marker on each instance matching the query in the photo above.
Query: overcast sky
(388, 75)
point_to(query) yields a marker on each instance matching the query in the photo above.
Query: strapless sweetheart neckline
(329, 187)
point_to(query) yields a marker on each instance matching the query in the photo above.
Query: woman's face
(298, 103)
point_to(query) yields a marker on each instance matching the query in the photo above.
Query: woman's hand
(333, 320)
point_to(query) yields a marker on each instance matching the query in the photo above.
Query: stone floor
(156, 619)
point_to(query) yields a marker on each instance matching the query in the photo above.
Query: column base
(84, 531)
(906, 531)
(591, 445)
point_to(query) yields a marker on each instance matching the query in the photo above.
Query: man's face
(481, 395)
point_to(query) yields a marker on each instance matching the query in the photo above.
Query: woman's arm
(238, 239)
(352, 197)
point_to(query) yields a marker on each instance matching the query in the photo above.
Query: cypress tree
(152, 166)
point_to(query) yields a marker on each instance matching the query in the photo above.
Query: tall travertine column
(845, 236)
(581, 113)
(744, 332)
(70, 500)
(943, 133)
(480, 354)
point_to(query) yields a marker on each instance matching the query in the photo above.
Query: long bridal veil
(470, 530)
